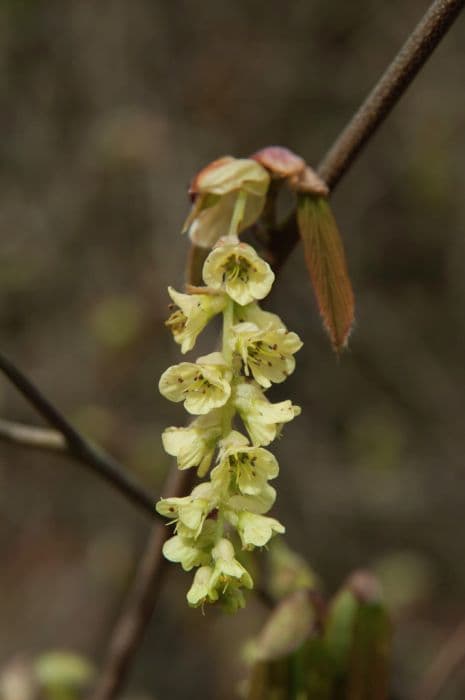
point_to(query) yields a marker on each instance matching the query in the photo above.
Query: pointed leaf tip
(326, 263)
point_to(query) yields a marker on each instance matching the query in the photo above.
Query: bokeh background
(107, 109)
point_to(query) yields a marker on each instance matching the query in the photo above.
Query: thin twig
(137, 612)
(94, 458)
(30, 436)
(390, 87)
(374, 109)
(140, 601)
(450, 659)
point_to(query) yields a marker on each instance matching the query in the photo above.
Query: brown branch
(75, 444)
(451, 658)
(30, 436)
(390, 87)
(137, 612)
(140, 601)
(374, 109)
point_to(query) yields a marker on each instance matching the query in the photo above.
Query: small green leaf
(369, 662)
(317, 670)
(358, 636)
(326, 263)
(339, 629)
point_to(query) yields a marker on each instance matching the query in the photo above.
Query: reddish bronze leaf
(326, 263)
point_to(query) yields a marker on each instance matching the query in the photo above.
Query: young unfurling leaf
(326, 263)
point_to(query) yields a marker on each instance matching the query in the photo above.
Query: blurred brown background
(107, 109)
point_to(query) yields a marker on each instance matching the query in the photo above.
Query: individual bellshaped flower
(191, 552)
(262, 419)
(202, 590)
(248, 467)
(189, 512)
(238, 270)
(257, 530)
(195, 445)
(266, 353)
(227, 570)
(202, 386)
(193, 313)
(215, 189)
(218, 581)
(259, 503)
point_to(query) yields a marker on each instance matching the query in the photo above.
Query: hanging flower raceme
(232, 505)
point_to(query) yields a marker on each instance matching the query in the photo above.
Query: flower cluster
(257, 351)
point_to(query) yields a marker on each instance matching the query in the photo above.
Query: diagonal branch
(74, 443)
(136, 613)
(374, 109)
(390, 87)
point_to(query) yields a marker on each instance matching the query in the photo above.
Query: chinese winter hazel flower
(239, 271)
(227, 569)
(249, 467)
(201, 590)
(189, 551)
(215, 189)
(259, 503)
(203, 385)
(212, 582)
(194, 446)
(262, 418)
(257, 530)
(189, 512)
(193, 314)
(266, 353)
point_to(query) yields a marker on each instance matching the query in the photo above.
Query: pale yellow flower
(215, 189)
(262, 419)
(193, 314)
(202, 386)
(258, 503)
(191, 552)
(237, 269)
(189, 512)
(227, 569)
(245, 467)
(266, 353)
(194, 446)
(218, 580)
(256, 530)
(201, 590)
(182, 550)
